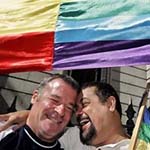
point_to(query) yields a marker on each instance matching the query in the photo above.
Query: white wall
(130, 83)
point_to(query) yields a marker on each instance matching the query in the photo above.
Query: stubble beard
(86, 138)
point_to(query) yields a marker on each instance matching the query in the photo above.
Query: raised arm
(15, 118)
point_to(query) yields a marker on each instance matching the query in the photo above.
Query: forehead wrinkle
(56, 96)
(59, 97)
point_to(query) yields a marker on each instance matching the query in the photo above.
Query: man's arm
(18, 118)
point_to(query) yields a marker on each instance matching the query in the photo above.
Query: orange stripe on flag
(26, 52)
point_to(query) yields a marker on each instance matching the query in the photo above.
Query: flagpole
(139, 119)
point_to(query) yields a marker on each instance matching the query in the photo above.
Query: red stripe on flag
(26, 52)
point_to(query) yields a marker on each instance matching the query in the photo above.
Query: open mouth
(84, 123)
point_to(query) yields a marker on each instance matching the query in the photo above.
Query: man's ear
(111, 102)
(34, 97)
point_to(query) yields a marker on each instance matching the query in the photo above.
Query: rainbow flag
(38, 35)
(143, 142)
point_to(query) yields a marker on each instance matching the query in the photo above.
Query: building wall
(130, 83)
(148, 73)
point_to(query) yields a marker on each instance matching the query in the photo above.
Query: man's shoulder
(121, 145)
(9, 141)
(124, 144)
(6, 132)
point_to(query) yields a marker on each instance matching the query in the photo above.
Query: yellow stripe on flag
(142, 145)
(21, 16)
(65, 1)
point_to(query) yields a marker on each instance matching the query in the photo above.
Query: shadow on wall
(4, 108)
(3, 105)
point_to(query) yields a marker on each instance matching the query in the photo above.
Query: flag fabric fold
(93, 34)
(73, 34)
(143, 142)
(27, 35)
(26, 52)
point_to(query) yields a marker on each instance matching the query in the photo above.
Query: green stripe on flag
(144, 132)
(103, 8)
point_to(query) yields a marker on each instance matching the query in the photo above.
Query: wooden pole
(133, 141)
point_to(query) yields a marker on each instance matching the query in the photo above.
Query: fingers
(17, 118)
(4, 117)
(9, 121)
(5, 126)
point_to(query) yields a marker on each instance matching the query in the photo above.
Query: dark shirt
(25, 139)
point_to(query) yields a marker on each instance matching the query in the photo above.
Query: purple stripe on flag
(80, 55)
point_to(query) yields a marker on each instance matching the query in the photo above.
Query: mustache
(53, 115)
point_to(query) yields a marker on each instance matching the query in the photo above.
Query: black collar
(37, 140)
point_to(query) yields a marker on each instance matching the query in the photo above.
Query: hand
(18, 118)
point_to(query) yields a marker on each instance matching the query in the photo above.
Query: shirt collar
(37, 140)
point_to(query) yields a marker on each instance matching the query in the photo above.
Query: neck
(115, 136)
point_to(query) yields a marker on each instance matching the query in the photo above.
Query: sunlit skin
(52, 110)
(103, 118)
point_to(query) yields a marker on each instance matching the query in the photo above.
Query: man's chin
(87, 135)
(85, 140)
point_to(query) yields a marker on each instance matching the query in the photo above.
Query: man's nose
(79, 111)
(60, 109)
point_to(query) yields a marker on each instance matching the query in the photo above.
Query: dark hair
(68, 79)
(103, 91)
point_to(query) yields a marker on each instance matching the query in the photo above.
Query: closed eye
(85, 104)
(55, 101)
(70, 107)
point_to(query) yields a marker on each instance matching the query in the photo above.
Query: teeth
(83, 122)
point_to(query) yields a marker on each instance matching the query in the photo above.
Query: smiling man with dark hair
(100, 118)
